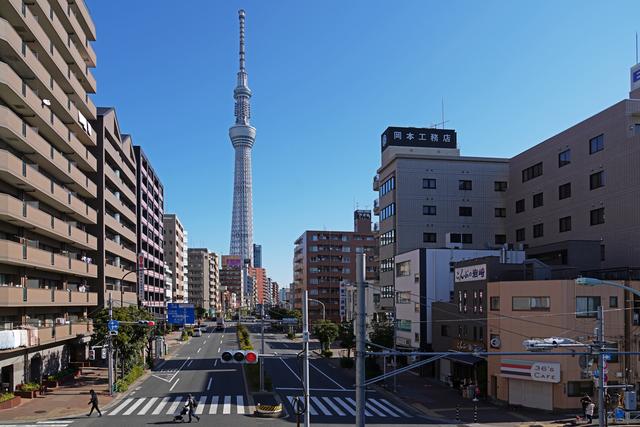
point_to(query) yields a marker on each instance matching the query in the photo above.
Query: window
(386, 265)
(602, 253)
(465, 184)
(596, 180)
(565, 224)
(532, 172)
(538, 230)
(500, 239)
(428, 210)
(596, 144)
(564, 158)
(403, 297)
(538, 200)
(613, 302)
(530, 303)
(460, 238)
(388, 238)
(429, 183)
(564, 191)
(520, 206)
(404, 325)
(467, 238)
(587, 306)
(579, 388)
(494, 303)
(429, 237)
(465, 211)
(403, 268)
(388, 211)
(444, 330)
(387, 186)
(597, 216)
(500, 185)
(500, 212)
(520, 236)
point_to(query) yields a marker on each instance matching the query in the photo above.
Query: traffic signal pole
(110, 349)
(305, 360)
(262, 347)
(361, 330)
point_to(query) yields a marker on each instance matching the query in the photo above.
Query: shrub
(243, 338)
(30, 387)
(346, 362)
(184, 336)
(123, 384)
(6, 396)
(291, 335)
(327, 353)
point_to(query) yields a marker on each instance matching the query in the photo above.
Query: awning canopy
(465, 359)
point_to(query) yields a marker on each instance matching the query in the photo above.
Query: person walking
(585, 402)
(589, 411)
(191, 402)
(94, 403)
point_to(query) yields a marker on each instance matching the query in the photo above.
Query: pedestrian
(589, 412)
(94, 403)
(585, 402)
(191, 402)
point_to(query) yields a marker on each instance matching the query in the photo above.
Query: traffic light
(92, 355)
(146, 322)
(239, 356)
(104, 353)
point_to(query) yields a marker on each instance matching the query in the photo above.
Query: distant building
(324, 259)
(175, 255)
(257, 255)
(275, 294)
(259, 284)
(199, 277)
(232, 282)
(215, 299)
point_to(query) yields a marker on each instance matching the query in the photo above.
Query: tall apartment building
(150, 214)
(231, 282)
(260, 284)
(429, 196)
(324, 259)
(215, 301)
(199, 277)
(175, 251)
(275, 294)
(581, 184)
(48, 276)
(116, 206)
(257, 255)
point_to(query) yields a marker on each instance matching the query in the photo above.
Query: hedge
(6, 396)
(124, 383)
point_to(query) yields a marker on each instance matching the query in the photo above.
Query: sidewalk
(72, 400)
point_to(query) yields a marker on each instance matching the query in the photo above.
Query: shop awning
(465, 359)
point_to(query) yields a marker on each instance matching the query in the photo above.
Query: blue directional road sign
(113, 325)
(181, 314)
(607, 356)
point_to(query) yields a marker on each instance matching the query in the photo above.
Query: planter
(66, 379)
(51, 383)
(26, 394)
(11, 403)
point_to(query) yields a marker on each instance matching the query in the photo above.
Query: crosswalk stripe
(121, 407)
(201, 403)
(333, 406)
(240, 404)
(146, 407)
(319, 404)
(345, 406)
(384, 408)
(214, 405)
(395, 408)
(371, 408)
(366, 413)
(161, 405)
(174, 405)
(133, 407)
(226, 408)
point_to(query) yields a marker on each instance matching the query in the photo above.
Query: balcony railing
(38, 297)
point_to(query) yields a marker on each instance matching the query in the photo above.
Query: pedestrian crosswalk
(53, 423)
(171, 405)
(346, 406)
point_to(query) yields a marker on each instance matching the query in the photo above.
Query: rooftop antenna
(442, 123)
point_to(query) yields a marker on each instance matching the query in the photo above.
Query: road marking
(121, 407)
(319, 404)
(215, 363)
(209, 384)
(327, 376)
(134, 406)
(174, 384)
(384, 408)
(345, 406)
(395, 408)
(285, 364)
(226, 408)
(201, 403)
(333, 406)
(146, 407)
(204, 342)
(189, 364)
(174, 405)
(367, 413)
(370, 407)
(161, 405)
(312, 411)
(219, 348)
(199, 350)
(314, 389)
(240, 404)
(214, 405)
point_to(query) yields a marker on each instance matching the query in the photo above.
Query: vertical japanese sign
(140, 277)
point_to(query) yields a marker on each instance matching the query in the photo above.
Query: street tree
(346, 336)
(327, 332)
(382, 334)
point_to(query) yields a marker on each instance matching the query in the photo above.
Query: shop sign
(471, 273)
(548, 372)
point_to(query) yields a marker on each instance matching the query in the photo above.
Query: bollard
(458, 412)
(475, 413)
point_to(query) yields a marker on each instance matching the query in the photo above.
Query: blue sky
(328, 77)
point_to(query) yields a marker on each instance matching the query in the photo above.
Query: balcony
(26, 215)
(118, 182)
(116, 156)
(119, 272)
(119, 228)
(18, 173)
(36, 297)
(72, 26)
(50, 334)
(120, 206)
(79, 9)
(376, 183)
(119, 250)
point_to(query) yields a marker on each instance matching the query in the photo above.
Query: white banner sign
(471, 273)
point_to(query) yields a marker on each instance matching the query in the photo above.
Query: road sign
(607, 356)
(181, 314)
(141, 277)
(113, 325)
(289, 320)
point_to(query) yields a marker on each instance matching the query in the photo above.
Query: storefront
(530, 383)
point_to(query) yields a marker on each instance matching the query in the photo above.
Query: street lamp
(322, 304)
(589, 281)
(122, 280)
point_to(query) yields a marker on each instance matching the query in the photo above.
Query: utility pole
(602, 412)
(305, 353)
(110, 349)
(262, 347)
(360, 339)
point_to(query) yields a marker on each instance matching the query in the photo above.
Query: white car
(197, 332)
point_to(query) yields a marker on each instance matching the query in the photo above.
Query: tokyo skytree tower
(242, 136)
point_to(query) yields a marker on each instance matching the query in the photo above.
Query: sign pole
(360, 340)
(305, 351)
(110, 349)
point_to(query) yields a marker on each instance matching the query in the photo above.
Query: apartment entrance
(6, 378)
(35, 369)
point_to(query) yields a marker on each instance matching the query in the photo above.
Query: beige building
(116, 205)
(175, 255)
(215, 298)
(553, 308)
(48, 273)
